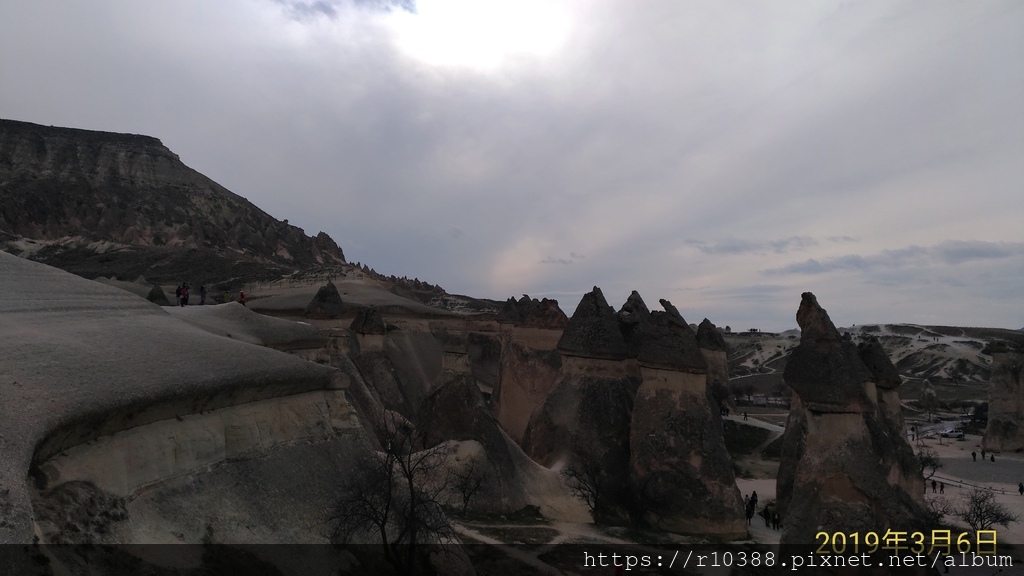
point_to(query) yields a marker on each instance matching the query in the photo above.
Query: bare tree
(929, 461)
(980, 510)
(396, 494)
(586, 481)
(467, 481)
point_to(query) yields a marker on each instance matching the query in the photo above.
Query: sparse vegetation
(980, 510)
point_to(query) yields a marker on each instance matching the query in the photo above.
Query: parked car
(953, 433)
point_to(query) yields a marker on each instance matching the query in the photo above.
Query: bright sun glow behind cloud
(480, 34)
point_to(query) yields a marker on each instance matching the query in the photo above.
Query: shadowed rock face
(1005, 430)
(326, 303)
(716, 354)
(368, 321)
(682, 478)
(593, 330)
(846, 464)
(534, 313)
(124, 204)
(883, 372)
(826, 369)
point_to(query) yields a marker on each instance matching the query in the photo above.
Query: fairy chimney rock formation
(584, 420)
(533, 313)
(370, 329)
(593, 330)
(326, 303)
(681, 473)
(846, 464)
(369, 321)
(883, 371)
(715, 351)
(826, 369)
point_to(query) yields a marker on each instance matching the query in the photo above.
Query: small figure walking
(775, 520)
(974, 456)
(982, 454)
(942, 487)
(177, 295)
(744, 415)
(241, 298)
(184, 295)
(1020, 488)
(993, 457)
(934, 486)
(202, 294)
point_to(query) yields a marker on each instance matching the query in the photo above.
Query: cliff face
(68, 194)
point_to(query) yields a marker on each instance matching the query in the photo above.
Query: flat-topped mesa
(593, 331)
(533, 313)
(826, 369)
(326, 303)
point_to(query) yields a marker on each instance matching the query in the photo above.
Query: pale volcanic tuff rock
(455, 411)
(86, 365)
(846, 465)
(682, 477)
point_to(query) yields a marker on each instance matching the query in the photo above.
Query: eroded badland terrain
(340, 406)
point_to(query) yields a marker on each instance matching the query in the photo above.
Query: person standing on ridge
(241, 298)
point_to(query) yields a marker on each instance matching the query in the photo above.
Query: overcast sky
(726, 156)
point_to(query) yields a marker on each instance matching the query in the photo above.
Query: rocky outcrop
(368, 321)
(584, 420)
(99, 203)
(846, 465)
(593, 331)
(326, 303)
(158, 296)
(195, 430)
(534, 313)
(1005, 430)
(682, 478)
(716, 355)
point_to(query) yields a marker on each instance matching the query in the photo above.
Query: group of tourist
(770, 515)
(974, 456)
(181, 294)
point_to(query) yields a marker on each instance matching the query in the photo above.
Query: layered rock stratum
(101, 204)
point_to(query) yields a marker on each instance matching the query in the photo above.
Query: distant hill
(107, 204)
(946, 354)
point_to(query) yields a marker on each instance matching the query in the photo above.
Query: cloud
(305, 10)
(780, 246)
(949, 253)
